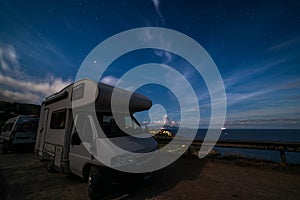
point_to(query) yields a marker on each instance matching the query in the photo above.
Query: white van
(58, 141)
(19, 131)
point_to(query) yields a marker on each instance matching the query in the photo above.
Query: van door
(79, 155)
(41, 134)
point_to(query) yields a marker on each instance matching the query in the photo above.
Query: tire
(4, 148)
(50, 168)
(96, 183)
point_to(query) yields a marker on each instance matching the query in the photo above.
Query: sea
(265, 135)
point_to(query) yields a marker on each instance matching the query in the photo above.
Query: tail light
(12, 135)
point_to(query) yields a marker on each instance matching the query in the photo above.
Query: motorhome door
(79, 155)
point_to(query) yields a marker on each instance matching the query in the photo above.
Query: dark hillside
(9, 110)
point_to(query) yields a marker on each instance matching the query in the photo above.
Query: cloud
(9, 58)
(156, 114)
(264, 110)
(30, 90)
(19, 87)
(295, 97)
(239, 77)
(285, 44)
(295, 84)
(166, 56)
(260, 92)
(21, 97)
(254, 83)
(156, 5)
(28, 45)
(110, 80)
(262, 122)
(243, 97)
(44, 87)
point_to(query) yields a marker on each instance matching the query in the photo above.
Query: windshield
(7, 127)
(27, 124)
(128, 124)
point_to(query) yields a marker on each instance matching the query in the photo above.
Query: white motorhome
(60, 144)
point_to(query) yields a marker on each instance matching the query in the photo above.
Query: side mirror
(75, 140)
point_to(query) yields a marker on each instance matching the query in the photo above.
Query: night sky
(255, 45)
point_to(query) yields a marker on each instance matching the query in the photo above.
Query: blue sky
(255, 45)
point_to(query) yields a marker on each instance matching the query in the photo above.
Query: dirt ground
(23, 176)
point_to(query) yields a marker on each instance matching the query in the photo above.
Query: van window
(27, 124)
(111, 129)
(88, 131)
(58, 119)
(84, 127)
(78, 92)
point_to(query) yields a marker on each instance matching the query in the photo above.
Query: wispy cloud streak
(21, 87)
(156, 5)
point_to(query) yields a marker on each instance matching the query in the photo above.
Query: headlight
(122, 160)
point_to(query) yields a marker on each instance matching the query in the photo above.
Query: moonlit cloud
(156, 114)
(241, 89)
(243, 97)
(265, 123)
(45, 87)
(291, 85)
(21, 97)
(19, 87)
(16, 81)
(156, 5)
(110, 80)
(238, 77)
(285, 44)
(165, 56)
(30, 90)
(259, 63)
(9, 58)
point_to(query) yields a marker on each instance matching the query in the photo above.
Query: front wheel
(97, 182)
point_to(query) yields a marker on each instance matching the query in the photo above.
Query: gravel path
(23, 176)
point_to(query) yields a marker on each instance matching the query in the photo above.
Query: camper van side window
(78, 92)
(58, 119)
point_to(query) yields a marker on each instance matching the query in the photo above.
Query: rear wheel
(50, 168)
(4, 147)
(97, 185)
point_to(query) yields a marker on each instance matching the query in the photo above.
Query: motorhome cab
(58, 141)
